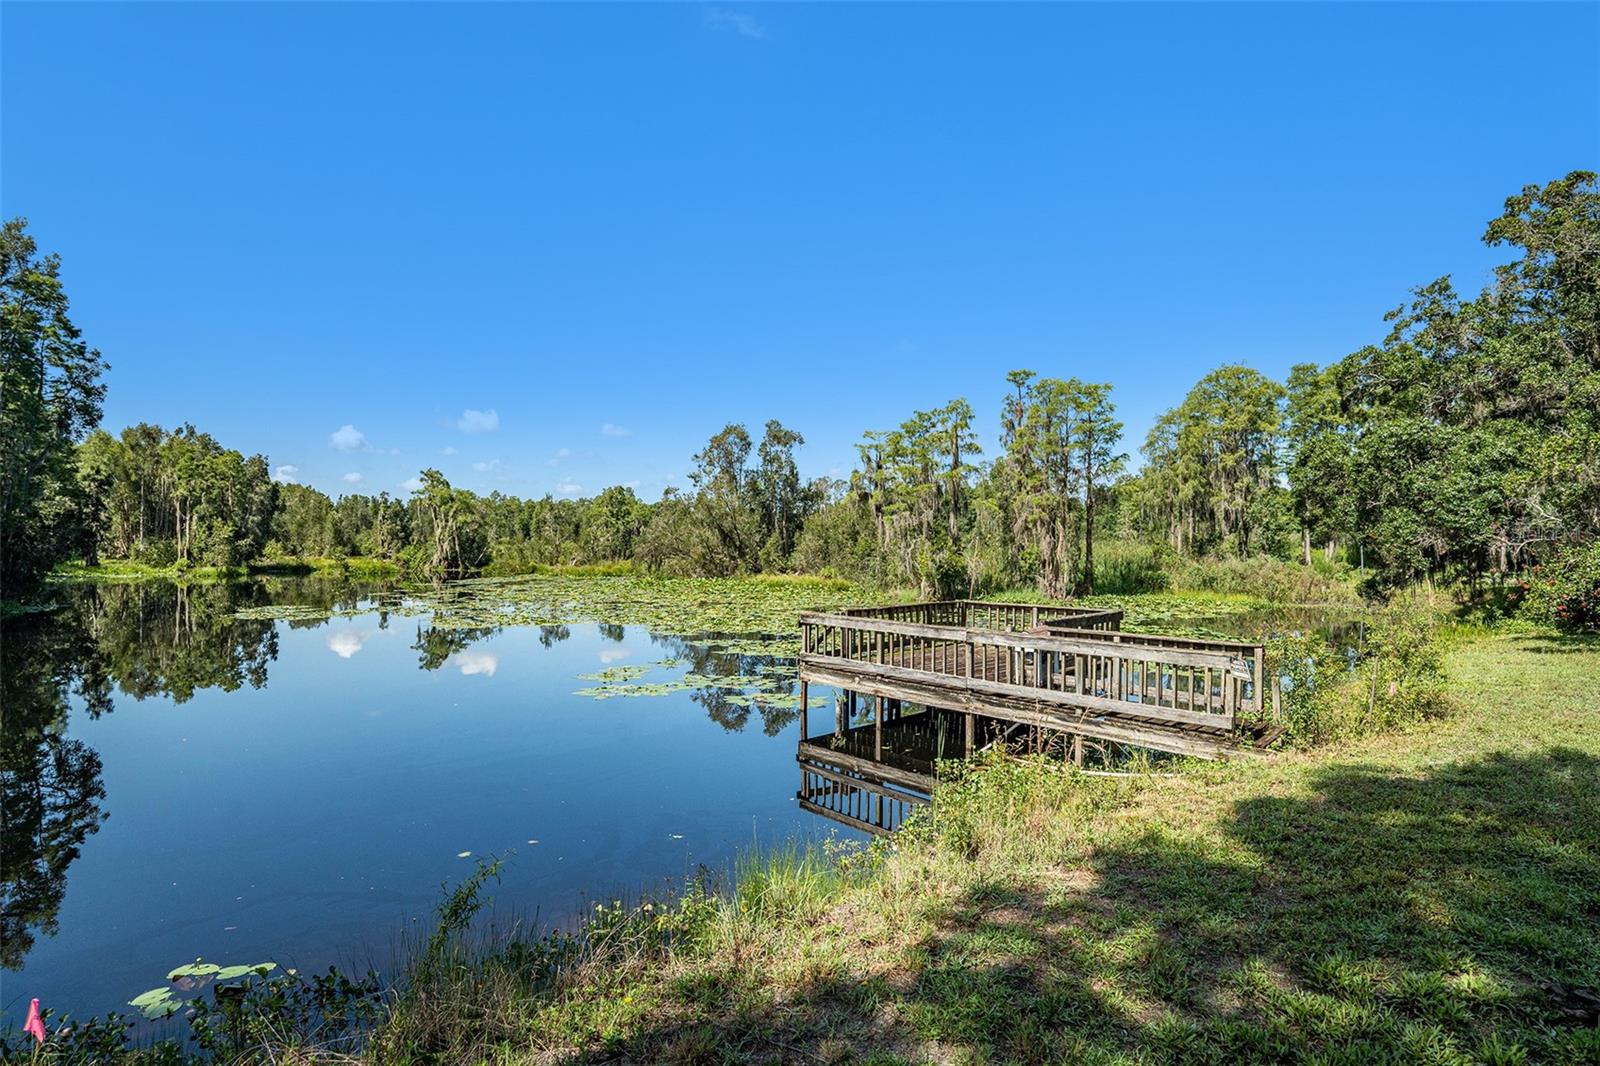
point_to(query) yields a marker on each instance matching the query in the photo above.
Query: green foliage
(1564, 592)
(1393, 679)
(1263, 577)
(917, 484)
(1060, 442)
(181, 498)
(50, 396)
(1468, 441)
(1212, 465)
(1127, 568)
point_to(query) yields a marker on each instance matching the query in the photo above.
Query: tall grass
(1263, 577)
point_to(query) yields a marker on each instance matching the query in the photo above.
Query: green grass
(1428, 895)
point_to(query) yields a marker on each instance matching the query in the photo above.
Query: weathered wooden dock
(1066, 669)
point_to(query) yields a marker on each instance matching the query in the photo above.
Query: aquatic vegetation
(772, 684)
(616, 674)
(726, 607)
(689, 606)
(185, 982)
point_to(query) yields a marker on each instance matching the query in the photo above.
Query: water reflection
(878, 765)
(51, 791)
(436, 646)
(306, 840)
(137, 640)
(731, 705)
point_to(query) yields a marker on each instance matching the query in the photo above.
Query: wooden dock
(1068, 670)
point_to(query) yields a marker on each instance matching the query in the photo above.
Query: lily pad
(194, 969)
(233, 973)
(156, 1003)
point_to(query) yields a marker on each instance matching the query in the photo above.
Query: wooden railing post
(1259, 677)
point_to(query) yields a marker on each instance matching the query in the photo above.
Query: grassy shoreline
(1425, 895)
(1421, 895)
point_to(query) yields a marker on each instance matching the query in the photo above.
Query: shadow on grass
(1446, 917)
(1559, 643)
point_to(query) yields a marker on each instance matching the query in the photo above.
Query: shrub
(1261, 576)
(1128, 568)
(1396, 678)
(1565, 592)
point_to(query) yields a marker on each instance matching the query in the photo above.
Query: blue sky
(552, 248)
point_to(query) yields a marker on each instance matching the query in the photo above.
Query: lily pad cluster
(667, 604)
(771, 685)
(186, 981)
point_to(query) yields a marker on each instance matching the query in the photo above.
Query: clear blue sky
(618, 227)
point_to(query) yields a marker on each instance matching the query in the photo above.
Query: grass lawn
(1427, 896)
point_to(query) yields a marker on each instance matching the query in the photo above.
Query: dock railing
(1063, 666)
(987, 614)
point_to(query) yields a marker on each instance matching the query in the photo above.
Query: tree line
(1465, 443)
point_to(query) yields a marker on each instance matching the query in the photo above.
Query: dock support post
(838, 714)
(804, 732)
(970, 729)
(877, 729)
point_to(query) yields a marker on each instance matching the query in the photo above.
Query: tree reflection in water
(730, 707)
(138, 640)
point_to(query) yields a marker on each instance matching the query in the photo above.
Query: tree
(611, 524)
(1061, 438)
(1213, 462)
(1318, 451)
(727, 537)
(781, 497)
(916, 481)
(1468, 441)
(452, 537)
(50, 397)
(179, 496)
(1094, 441)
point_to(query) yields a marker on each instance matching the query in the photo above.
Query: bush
(1128, 568)
(1396, 678)
(1565, 592)
(1263, 577)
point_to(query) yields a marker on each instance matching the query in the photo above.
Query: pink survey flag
(34, 1026)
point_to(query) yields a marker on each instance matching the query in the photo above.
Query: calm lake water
(182, 783)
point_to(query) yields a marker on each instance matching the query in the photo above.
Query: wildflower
(34, 1026)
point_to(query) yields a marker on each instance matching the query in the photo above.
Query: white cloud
(450, 449)
(347, 438)
(616, 655)
(346, 642)
(352, 478)
(608, 429)
(631, 484)
(561, 453)
(476, 662)
(569, 488)
(484, 466)
(478, 421)
(738, 22)
(288, 474)
(411, 484)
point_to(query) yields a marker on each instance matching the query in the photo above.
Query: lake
(290, 770)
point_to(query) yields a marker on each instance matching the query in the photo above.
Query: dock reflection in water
(871, 775)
